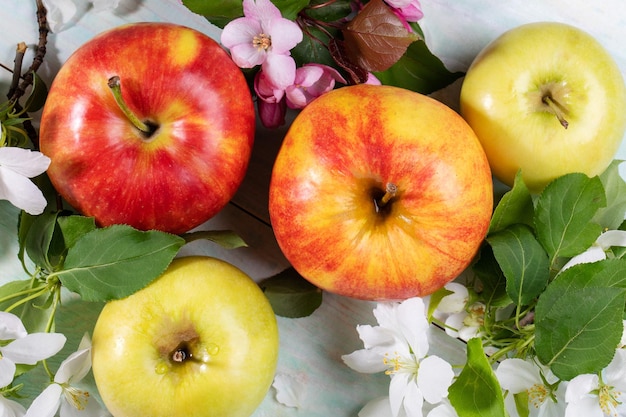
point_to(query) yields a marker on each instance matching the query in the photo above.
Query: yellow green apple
(200, 341)
(546, 98)
(380, 193)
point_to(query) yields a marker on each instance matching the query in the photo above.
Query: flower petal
(21, 192)
(285, 35)
(74, 367)
(7, 372)
(11, 327)
(289, 390)
(59, 13)
(517, 375)
(365, 361)
(36, 346)
(280, 70)
(47, 403)
(10, 408)
(434, 377)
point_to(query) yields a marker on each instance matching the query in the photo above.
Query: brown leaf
(376, 38)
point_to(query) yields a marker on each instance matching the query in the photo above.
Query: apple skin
(174, 77)
(501, 99)
(230, 329)
(338, 157)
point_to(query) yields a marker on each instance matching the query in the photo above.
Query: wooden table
(310, 347)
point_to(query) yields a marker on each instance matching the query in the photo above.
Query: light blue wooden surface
(311, 347)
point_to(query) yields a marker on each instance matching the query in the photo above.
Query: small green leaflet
(564, 213)
(116, 261)
(523, 261)
(579, 318)
(476, 392)
(290, 295)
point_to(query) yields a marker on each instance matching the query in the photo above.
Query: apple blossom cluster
(420, 382)
(264, 38)
(20, 348)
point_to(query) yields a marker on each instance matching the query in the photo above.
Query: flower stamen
(262, 41)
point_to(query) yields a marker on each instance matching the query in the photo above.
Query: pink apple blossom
(312, 80)
(263, 37)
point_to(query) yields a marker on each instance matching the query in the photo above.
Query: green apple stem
(116, 89)
(391, 190)
(556, 109)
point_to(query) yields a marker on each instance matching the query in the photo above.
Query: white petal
(7, 371)
(34, 347)
(455, 302)
(47, 403)
(21, 192)
(9, 408)
(580, 386)
(615, 372)
(11, 326)
(593, 254)
(517, 375)
(365, 361)
(611, 238)
(24, 161)
(434, 378)
(412, 323)
(74, 368)
(289, 389)
(59, 13)
(397, 390)
(413, 401)
(378, 407)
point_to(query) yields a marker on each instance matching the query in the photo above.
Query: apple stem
(556, 109)
(116, 89)
(391, 190)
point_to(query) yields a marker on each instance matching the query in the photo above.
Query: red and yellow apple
(199, 341)
(174, 150)
(546, 98)
(380, 193)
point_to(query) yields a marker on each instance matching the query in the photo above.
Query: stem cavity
(116, 88)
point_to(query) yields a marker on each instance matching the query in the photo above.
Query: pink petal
(285, 35)
(280, 70)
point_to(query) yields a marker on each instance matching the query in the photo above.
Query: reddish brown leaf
(376, 38)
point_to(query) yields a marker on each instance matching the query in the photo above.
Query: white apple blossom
(23, 348)
(399, 346)
(63, 395)
(597, 251)
(546, 394)
(17, 165)
(61, 14)
(601, 395)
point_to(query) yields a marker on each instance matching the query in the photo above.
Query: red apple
(380, 193)
(189, 157)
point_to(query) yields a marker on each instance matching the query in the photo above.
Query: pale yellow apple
(200, 341)
(546, 98)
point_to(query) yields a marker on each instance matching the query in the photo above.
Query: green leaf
(523, 260)
(37, 97)
(291, 295)
(612, 216)
(217, 12)
(564, 213)
(74, 227)
(578, 320)
(116, 261)
(44, 242)
(516, 206)
(418, 70)
(492, 279)
(476, 392)
(225, 238)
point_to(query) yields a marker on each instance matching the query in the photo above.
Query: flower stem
(116, 88)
